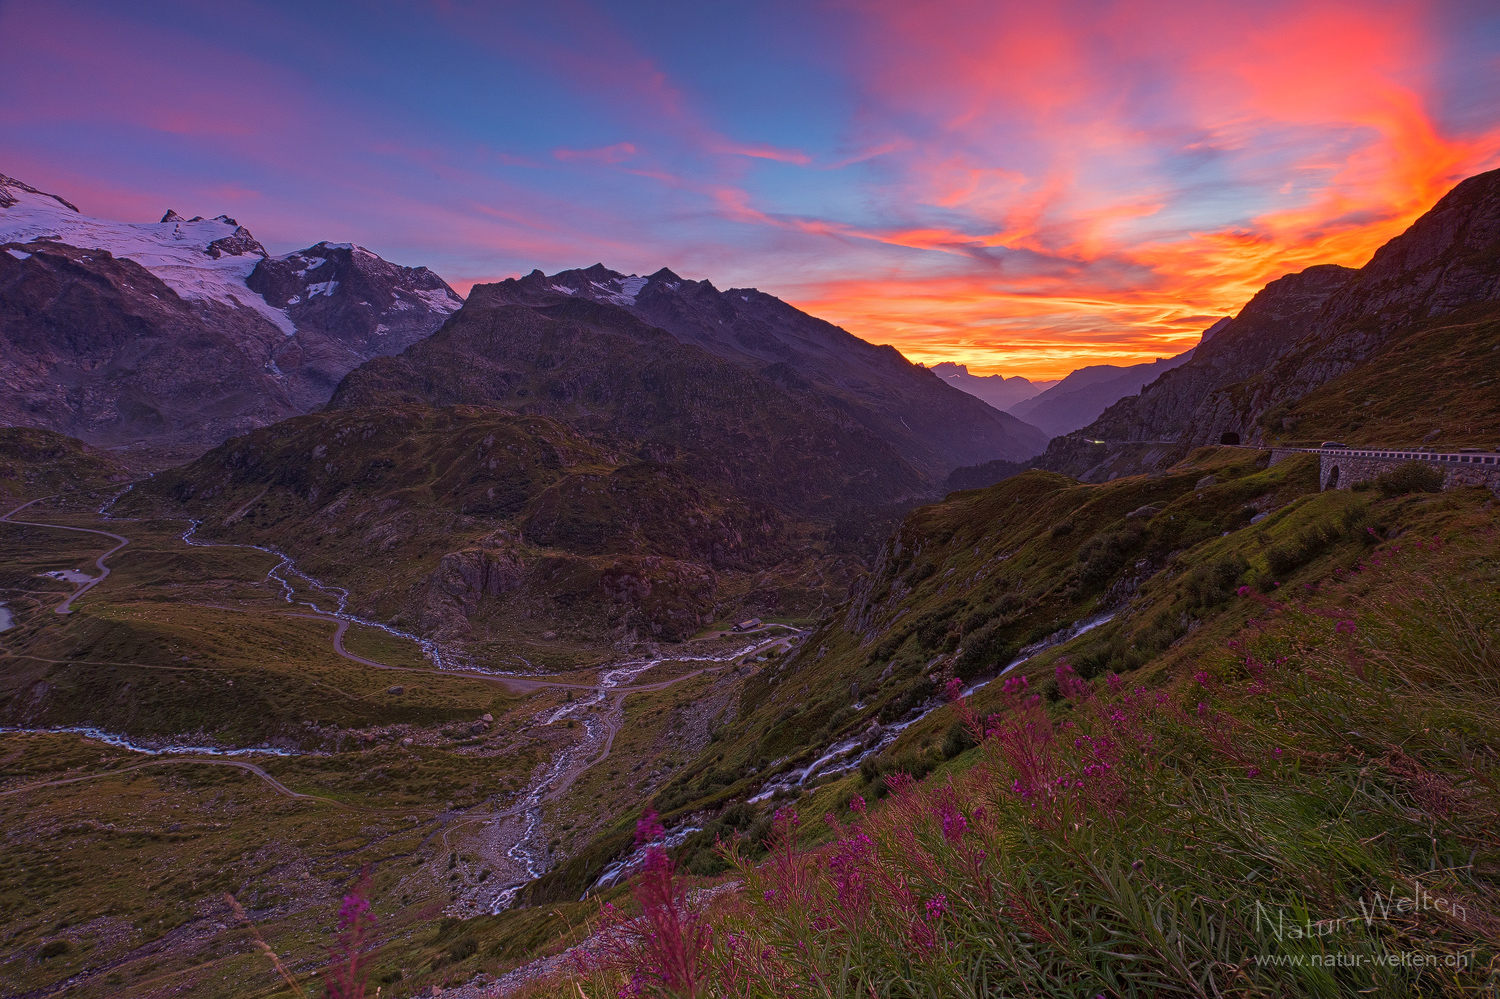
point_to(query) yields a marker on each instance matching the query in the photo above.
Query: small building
(747, 624)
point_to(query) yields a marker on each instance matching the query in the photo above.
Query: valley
(597, 601)
(478, 769)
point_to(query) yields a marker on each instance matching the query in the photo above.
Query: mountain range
(998, 390)
(567, 490)
(165, 338)
(1078, 399)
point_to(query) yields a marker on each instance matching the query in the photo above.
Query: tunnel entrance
(1333, 478)
(1230, 438)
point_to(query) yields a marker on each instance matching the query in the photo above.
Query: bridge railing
(1454, 457)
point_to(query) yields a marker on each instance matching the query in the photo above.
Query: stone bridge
(1341, 468)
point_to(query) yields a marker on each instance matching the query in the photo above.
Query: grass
(195, 644)
(1436, 383)
(1250, 829)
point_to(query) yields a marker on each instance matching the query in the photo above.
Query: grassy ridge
(479, 524)
(1311, 810)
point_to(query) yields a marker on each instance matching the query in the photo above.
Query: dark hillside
(931, 424)
(36, 463)
(637, 389)
(454, 522)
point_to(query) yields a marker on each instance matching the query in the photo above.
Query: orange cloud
(1087, 182)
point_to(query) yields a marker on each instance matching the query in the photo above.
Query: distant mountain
(997, 390)
(932, 425)
(1078, 399)
(173, 335)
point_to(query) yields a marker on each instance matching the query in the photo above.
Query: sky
(1023, 187)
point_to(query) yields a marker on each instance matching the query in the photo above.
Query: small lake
(7, 619)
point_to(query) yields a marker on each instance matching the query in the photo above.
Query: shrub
(957, 740)
(1410, 477)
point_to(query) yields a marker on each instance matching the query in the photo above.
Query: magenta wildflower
(952, 689)
(1072, 686)
(954, 823)
(1253, 772)
(648, 828)
(347, 976)
(857, 804)
(1244, 591)
(936, 906)
(1344, 628)
(1202, 677)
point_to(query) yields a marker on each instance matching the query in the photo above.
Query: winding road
(66, 607)
(251, 767)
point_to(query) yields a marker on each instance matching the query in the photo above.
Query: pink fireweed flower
(936, 906)
(857, 805)
(1202, 677)
(648, 828)
(1244, 591)
(1344, 628)
(952, 689)
(353, 908)
(1072, 686)
(348, 973)
(850, 868)
(954, 823)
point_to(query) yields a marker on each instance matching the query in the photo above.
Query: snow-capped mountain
(198, 291)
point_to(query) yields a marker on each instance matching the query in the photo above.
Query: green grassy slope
(35, 463)
(1437, 383)
(481, 524)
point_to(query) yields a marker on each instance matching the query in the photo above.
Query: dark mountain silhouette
(1078, 399)
(934, 426)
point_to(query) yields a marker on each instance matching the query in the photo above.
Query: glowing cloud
(1023, 187)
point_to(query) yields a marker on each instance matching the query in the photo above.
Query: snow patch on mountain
(175, 249)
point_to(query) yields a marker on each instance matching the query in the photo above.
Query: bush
(1410, 477)
(958, 739)
(984, 650)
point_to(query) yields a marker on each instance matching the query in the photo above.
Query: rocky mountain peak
(11, 191)
(1448, 258)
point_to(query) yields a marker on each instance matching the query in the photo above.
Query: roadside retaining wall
(1342, 468)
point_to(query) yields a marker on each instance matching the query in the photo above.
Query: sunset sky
(1025, 187)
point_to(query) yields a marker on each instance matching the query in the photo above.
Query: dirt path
(66, 607)
(279, 787)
